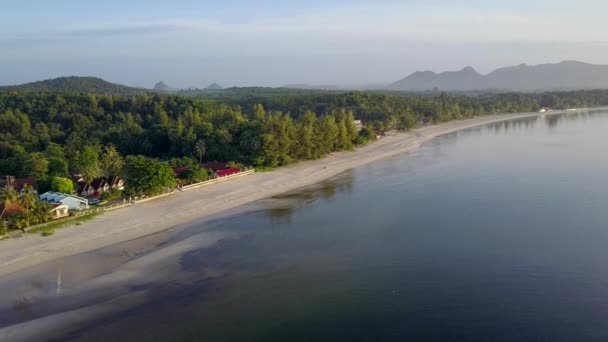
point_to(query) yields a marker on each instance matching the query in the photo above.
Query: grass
(49, 229)
(264, 169)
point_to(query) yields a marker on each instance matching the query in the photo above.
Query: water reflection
(479, 232)
(280, 208)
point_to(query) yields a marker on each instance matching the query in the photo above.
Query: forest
(58, 134)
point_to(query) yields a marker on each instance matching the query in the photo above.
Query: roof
(179, 170)
(215, 165)
(19, 183)
(114, 181)
(98, 183)
(228, 172)
(58, 197)
(12, 209)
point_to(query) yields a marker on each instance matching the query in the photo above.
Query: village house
(97, 187)
(18, 183)
(227, 172)
(72, 202)
(59, 211)
(11, 210)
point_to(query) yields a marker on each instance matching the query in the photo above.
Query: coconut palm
(40, 213)
(7, 197)
(200, 150)
(112, 162)
(28, 200)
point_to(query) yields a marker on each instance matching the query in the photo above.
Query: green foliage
(111, 195)
(111, 162)
(195, 174)
(182, 162)
(147, 176)
(3, 228)
(51, 134)
(87, 164)
(63, 185)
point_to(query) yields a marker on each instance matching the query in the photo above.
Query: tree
(8, 195)
(28, 200)
(200, 150)
(147, 176)
(195, 174)
(39, 165)
(112, 162)
(88, 164)
(63, 185)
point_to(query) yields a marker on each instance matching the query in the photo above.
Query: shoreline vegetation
(189, 207)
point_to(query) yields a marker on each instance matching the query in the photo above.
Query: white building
(72, 202)
(59, 211)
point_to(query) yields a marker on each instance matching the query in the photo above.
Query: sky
(188, 43)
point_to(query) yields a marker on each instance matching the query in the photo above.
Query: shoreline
(187, 207)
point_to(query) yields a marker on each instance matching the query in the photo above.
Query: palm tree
(28, 200)
(8, 196)
(41, 214)
(111, 161)
(91, 173)
(200, 150)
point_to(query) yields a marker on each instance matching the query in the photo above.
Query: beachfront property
(71, 201)
(227, 172)
(11, 209)
(97, 187)
(221, 169)
(18, 183)
(59, 211)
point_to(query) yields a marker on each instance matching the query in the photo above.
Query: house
(72, 202)
(19, 183)
(11, 209)
(216, 166)
(59, 211)
(97, 187)
(227, 172)
(116, 183)
(178, 170)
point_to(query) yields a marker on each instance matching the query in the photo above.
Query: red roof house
(227, 172)
(11, 209)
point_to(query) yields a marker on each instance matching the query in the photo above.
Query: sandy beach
(185, 207)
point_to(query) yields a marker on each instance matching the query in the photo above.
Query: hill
(567, 75)
(75, 84)
(162, 87)
(214, 86)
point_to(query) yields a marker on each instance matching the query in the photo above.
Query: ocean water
(497, 233)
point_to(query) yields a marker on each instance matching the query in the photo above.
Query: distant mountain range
(568, 75)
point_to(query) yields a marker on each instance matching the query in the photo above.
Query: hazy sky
(272, 43)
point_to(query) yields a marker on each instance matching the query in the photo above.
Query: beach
(185, 207)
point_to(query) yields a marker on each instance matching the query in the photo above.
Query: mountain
(163, 87)
(567, 75)
(214, 86)
(76, 84)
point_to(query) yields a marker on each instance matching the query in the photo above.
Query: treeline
(49, 135)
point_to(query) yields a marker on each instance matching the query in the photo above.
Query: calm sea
(498, 233)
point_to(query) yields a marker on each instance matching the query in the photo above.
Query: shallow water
(497, 233)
